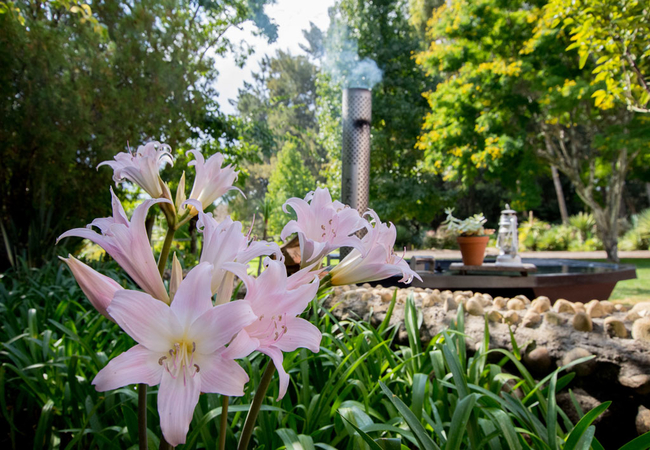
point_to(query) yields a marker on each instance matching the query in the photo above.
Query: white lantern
(508, 239)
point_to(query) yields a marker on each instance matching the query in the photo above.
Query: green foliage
(53, 344)
(77, 88)
(511, 94)
(473, 405)
(634, 290)
(638, 236)
(615, 35)
(277, 110)
(480, 111)
(584, 223)
(530, 232)
(579, 235)
(290, 178)
(420, 12)
(471, 226)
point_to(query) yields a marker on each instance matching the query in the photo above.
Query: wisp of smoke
(342, 60)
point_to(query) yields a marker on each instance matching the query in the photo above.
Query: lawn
(636, 290)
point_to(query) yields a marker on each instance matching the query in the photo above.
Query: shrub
(578, 235)
(638, 236)
(584, 223)
(530, 232)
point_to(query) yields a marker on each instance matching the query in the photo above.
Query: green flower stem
(164, 445)
(164, 253)
(142, 416)
(254, 410)
(224, 422)
(182, 220)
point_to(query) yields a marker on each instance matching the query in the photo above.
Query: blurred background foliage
(78, 85)
(469, 113)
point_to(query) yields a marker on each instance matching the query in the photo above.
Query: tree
(277, 109)
(511, 95)
(78, 85)
(615, 34)
(290, 178)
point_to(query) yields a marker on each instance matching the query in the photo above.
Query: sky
(291, 16)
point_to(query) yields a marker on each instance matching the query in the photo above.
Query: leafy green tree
(276, 109)
(290, 178)
(420, 12)
(615, 34)
(78, 85)
(511, 95)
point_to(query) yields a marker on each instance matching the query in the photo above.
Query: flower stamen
(182, 360)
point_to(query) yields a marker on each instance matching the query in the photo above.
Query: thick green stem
(254, 410)
(224, 422)
(142, 416)
(164, 445)
(164, 253)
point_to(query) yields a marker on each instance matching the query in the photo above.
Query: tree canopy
(510, 95)
(278, 117)
(615, 35)
(78, 85)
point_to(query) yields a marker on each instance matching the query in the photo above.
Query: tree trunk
(567, 150)
(607, 231)
(560, 195)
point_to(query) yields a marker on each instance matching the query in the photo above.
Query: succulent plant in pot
(472, 236)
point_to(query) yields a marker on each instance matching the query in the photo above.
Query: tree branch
(637, 71)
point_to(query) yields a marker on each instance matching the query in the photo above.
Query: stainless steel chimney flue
(355, 148)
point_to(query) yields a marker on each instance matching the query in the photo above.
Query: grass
(635, 290)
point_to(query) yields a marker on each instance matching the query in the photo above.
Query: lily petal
(128, 244)
(177, 398)
(300, 334)
(99, 289)
(218, 326)
(137, 365)
(242, 346)
(221, 376)
(193, 297)
(278, 358)
(147, 320)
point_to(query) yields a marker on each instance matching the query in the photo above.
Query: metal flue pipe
(355, 151)
(355, 148)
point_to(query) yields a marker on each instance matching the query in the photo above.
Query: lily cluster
(189, 333)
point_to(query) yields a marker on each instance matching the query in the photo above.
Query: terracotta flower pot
(472, 249)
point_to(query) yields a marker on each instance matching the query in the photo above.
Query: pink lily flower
(379, 261)
(277, 301)
(180, 347)
(143, 168)
(128, 244)
(322, 225)
(212, 180)
(99, 289)
(224, 242)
